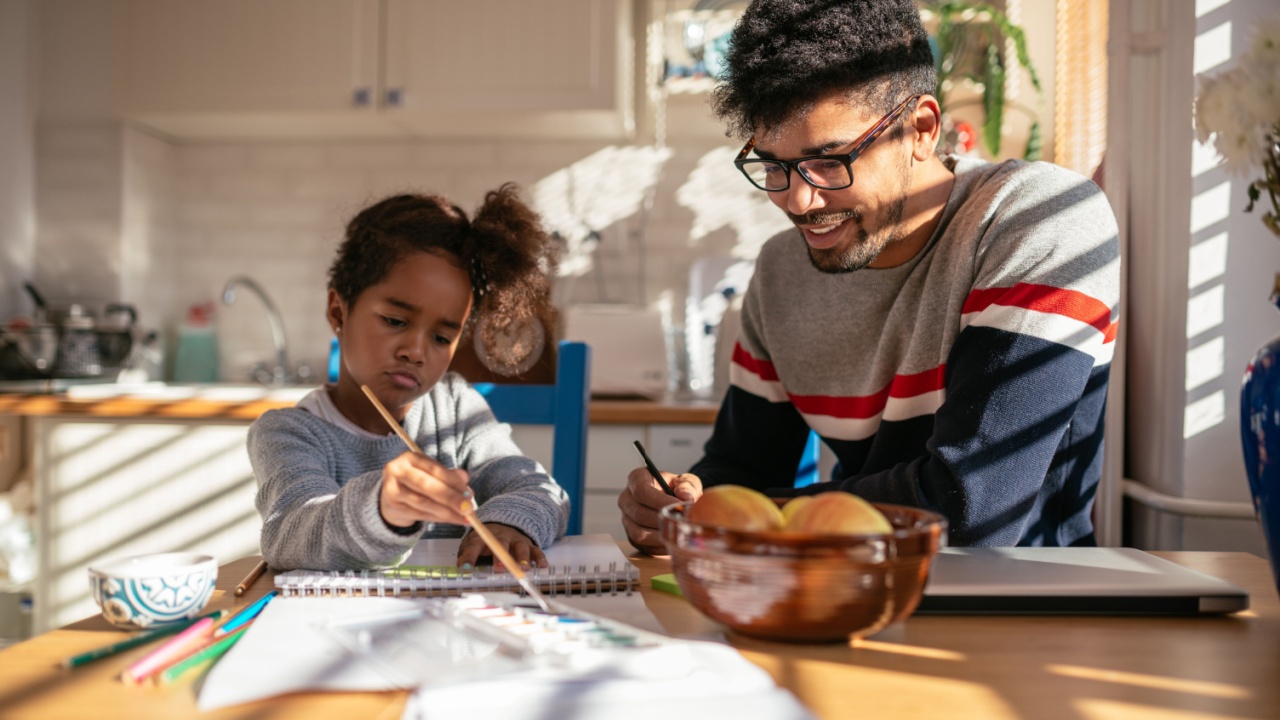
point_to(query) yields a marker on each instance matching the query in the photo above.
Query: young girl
(337, 489)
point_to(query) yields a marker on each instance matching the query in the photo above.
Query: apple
(792, 506)
(735, 508)
(838, 513)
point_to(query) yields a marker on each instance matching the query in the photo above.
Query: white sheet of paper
(287, 648)
(684, 680)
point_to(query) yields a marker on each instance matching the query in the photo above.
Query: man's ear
(926, 121)
(336, 312)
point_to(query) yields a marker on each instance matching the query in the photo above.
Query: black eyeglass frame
(846, 159)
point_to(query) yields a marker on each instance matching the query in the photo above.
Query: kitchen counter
(245, 402)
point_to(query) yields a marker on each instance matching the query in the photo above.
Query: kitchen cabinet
(325, 68)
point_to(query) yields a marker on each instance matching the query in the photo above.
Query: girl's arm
(309, 521)
(511, 488)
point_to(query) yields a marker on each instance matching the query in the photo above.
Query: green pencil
(208, 654)
(136, 640)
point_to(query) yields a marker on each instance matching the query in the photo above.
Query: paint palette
(563, 636)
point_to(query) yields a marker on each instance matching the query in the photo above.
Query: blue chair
(807, 473)
(564, 405)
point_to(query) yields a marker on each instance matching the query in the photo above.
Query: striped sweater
(970, 380)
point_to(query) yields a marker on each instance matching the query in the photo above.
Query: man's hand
(522, 549)
(641, 501)
(417, 488)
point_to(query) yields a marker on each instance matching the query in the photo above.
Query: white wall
(17, 154)
(1199, 274)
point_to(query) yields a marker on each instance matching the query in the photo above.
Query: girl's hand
(417, 488)
(522, 549)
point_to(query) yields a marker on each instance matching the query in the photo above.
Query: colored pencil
(176, 647)
(139, 639)
(205, 655)
(245, 615)
(249, 579)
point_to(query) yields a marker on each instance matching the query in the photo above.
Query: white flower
(1264, 48)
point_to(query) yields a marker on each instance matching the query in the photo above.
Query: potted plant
(968, 40)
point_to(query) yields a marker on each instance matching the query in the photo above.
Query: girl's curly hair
(507, 253)
(786, 54)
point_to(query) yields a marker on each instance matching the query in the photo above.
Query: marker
(135, 641)
(245, 615)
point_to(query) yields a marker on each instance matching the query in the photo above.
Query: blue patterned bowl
(151, 590)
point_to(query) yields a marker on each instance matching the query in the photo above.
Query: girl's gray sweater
(318, 485)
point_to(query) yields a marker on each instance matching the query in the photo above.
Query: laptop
(1072, 581)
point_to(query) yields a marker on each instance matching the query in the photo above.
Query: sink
(210, 392)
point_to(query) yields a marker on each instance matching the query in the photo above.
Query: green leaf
(1254, 193)
(1035, 143)
(993, 100)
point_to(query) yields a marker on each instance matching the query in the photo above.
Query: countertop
(247, 402)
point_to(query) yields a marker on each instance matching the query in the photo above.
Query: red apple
(838, 513)
(736, 508)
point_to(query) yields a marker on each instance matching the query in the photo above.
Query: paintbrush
(468, 509)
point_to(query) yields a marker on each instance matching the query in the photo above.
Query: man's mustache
(826, 218)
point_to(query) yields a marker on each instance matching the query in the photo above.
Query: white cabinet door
(209, 68)
(244, 55)
(113, 488)
(507, 66)
(675, 448)
(321, 68)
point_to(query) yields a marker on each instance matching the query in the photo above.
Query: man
(945, 325)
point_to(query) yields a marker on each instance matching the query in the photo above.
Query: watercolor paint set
(563, 635)
(452, 639)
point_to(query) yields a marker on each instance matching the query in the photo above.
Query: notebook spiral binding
(428, 582)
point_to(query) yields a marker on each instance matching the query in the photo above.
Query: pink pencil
(181, 644)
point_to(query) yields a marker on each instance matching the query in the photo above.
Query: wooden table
(957, 667)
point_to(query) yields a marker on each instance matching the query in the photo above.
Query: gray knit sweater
(318, 485)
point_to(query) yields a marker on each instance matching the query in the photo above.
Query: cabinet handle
(360, 97)
(395, 97)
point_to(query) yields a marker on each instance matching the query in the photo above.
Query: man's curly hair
(786, 54)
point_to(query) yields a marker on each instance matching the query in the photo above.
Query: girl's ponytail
(512, 261)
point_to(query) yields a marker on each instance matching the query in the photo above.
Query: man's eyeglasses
(825, 172)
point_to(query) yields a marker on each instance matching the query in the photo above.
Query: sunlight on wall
(1204, 7)
(1205, 362)
(720, 196)
(1207, 259)
(579, 201)
(117, 489)
(1213, 47)
(1204, 310)
(1204, 413)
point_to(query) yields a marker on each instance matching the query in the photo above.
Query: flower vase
(1260, 434)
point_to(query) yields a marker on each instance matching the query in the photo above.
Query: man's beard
(864, 249)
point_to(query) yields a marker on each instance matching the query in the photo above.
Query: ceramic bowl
(804, 587)
(145, 591)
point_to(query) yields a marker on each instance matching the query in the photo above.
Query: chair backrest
(564, 405)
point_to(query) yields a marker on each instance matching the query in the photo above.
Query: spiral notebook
(577, 565)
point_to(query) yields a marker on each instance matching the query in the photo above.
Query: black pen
(653, 470)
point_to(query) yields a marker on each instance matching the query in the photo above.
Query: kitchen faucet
(278, 375)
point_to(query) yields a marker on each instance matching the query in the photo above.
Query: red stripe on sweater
(861, 407)
(763, 368)
(1046, 299)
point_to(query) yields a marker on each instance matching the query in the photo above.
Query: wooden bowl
(804, 587)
